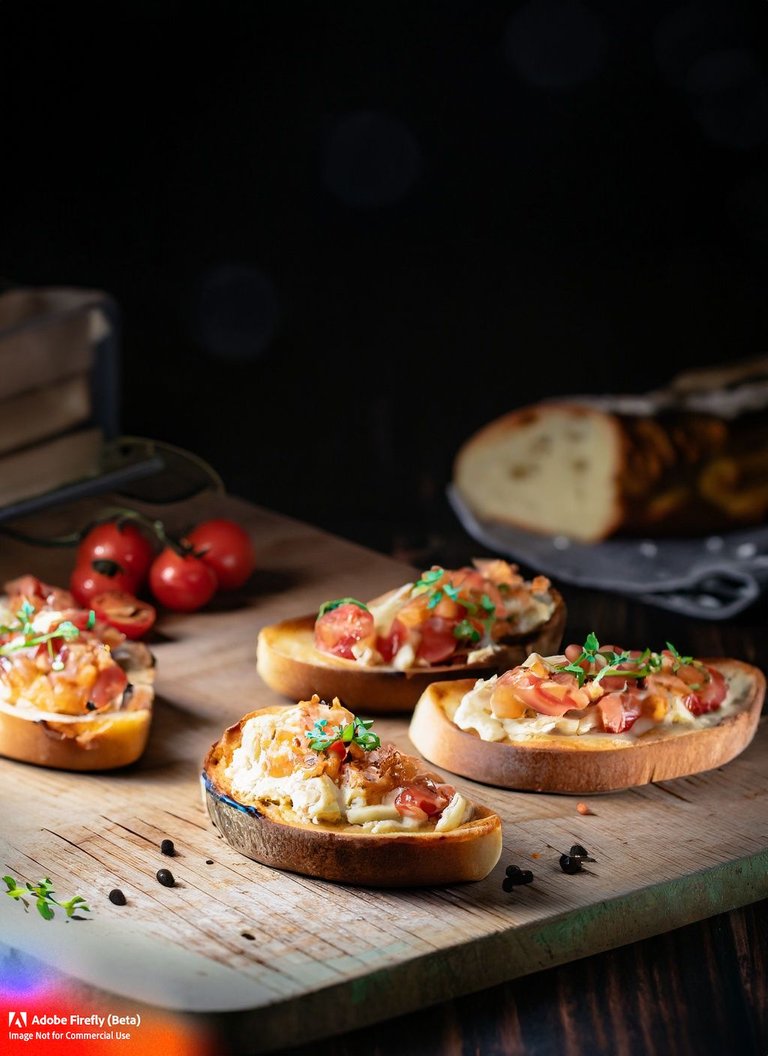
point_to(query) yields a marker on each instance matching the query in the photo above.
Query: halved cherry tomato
(120, 541)
(125, 612)
(181, 582)
(338, 629)
(92, 578)
(227, 548)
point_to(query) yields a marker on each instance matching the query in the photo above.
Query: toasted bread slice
(289, 663)
(95, 741)
(591, 762)
(344, 853)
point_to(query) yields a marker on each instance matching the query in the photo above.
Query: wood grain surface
(238, 940)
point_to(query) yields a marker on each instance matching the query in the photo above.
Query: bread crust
(582, 764)
(673, 472)
(345, 853)
(98, 741)
(286, 659)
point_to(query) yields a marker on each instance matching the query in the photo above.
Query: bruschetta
(75, 694)
(594, 719)
(310, 789)
(380, 655)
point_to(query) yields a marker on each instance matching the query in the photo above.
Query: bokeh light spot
(236, 312)
(371, 160)
(555, 43)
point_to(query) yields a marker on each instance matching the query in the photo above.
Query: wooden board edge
(469, 967)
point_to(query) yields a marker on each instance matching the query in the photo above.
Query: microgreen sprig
(42, 892)
(25, 635)
(647, 663)
(465, 628)
(327, 606)
(321, 736)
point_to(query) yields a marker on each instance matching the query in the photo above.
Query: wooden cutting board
(309, 958)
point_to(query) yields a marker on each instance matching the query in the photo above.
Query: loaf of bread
(587, 469)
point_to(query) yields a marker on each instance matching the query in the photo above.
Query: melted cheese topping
(473, 712)
(274, 764)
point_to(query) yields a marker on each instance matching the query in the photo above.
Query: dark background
(345, 235)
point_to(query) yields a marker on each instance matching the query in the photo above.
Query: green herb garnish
(647, 663)
(30, 637)
(428, 578)
(466, 629)
(42, 893)
(327, 606)
(321, 737)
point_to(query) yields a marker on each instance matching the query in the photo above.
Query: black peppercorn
(516, 876)
(166, 847)
(116, 897)
(577, 851)
(209, 861)
(165, 876)
(569, 864)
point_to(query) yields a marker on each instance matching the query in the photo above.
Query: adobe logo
(17, 1019)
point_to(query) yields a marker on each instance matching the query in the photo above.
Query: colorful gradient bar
(29, 988)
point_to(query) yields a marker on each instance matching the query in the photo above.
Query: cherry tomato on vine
(130, 615)
(181, 582)
(96, 577)
(227, 548)
(121, 541)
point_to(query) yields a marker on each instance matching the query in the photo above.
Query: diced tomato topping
(37, 593)
(338, 748)
(551, 695)
(711, 695)
(438, 642)
(619, 711)
(420, 801)
(337, 630)
(110, 681)
(389, 645)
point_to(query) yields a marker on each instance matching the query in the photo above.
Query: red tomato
(109, 682)
(337, 630)
(438, 641)
(417, 800)
(390, 644)
(124, 612)
(120, 541)
(87, 580)
(711, 695)
(181, 582)
(37, 593)
(553, 695)
(227, 548)
(619, 711)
